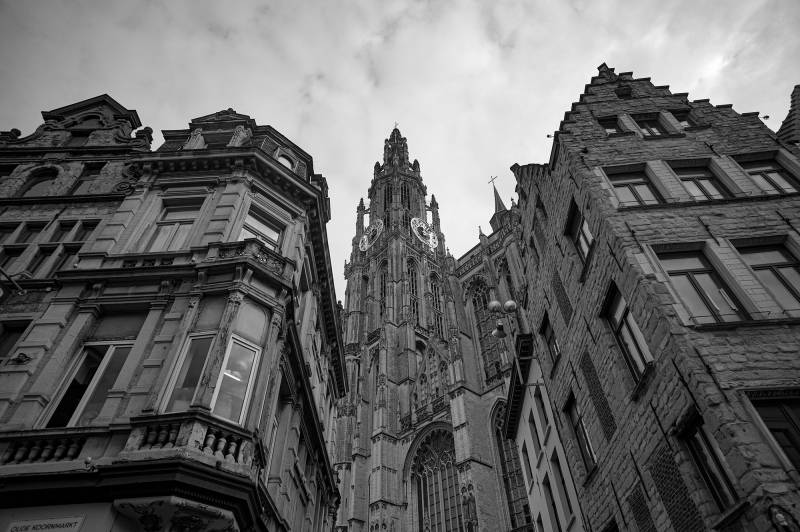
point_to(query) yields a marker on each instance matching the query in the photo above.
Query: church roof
(499, 206)
(789, 131)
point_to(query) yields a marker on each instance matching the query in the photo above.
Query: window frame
(20, 325)
(90, 388)
(175, 370)
(775, 268)
(697, 175)
(757, 175)
(611, 125)
(582, 438)
(630, 180)
(690, 274)
(577, 228)
(251, 379)
(262, 217)
(650, 126)
(715, 477)
(550, 340)
(780, 396)
(643, 357)
(183, 204)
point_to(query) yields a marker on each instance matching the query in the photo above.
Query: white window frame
(176, 367)
(64, 384)
(264, 218)
(251, 381)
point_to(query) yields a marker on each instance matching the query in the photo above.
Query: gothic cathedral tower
(415, 446)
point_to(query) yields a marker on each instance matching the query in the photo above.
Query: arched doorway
(434, 484)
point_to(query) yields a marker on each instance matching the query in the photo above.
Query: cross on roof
(491, 181)
(396, 124)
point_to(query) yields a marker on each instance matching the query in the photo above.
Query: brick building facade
(663, 292)
(170, 348)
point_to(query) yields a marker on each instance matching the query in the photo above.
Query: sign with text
(56, 524)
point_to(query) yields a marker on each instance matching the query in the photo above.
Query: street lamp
(497, 309)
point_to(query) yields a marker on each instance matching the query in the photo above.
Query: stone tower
(415, 447)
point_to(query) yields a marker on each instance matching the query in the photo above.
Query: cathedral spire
(395, 150)
(499, 206)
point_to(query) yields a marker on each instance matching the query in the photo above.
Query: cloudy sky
(475, 85)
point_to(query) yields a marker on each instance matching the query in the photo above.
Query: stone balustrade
(35, 449)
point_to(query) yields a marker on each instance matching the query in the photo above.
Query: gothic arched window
(435, 480)
(413, 302)
(436, 303)
(405, 196)
(384, 279)
(387, 198)
(485, 325)
(514, 483)
(40, 183)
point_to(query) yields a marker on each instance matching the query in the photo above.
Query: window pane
(161, 237)
(181, 236)
(710, 469)
(682, 261)
(765, 255)
(234, 381)
(782, 182)
(763, 184)
(186, 212)
(626, 337)
(84, 231)
(95, 403)
(77, 386)
(697, 308)
(625, 195)
(9, 337)
(646, 194)
(711, 188)
(61, 231)
(778, 289)
(694, 190)
(189, 375)
(719, 295)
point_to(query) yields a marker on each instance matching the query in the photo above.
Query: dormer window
(286, 161)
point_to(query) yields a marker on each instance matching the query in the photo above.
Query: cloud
(475, 85)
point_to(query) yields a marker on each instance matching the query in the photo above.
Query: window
(634, 188)
(78, 138)
(61, 230)
(87, 178)
(650, 126)
(778, 271)
(29, 232)
(701, 290)
(405, 196)
(561, 485)
(38, 266)
(683, 118)
(537, 443)
(511, 471)
(84, 231)
(9, 256)
(286, 161)
(541, 411)
(68, 259)
(186, 379)
(770, 176)
(610, 125)
(546, 330)
(781, 415)
(551, 505)
(384, 288)
(526, 459)
(6, 231)
(40, 183)
(581, 435)
(706, 459)
(172, 230)
(10, 333)
(701, 183)
(234, 386)
(95, 370)
(257, 226)
(579, 233)
(626, 331)
(413, 302)
(86, 393)
(435, 487)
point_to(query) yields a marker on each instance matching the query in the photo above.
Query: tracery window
(513, 481)
(435, 479)
(387, 198)
(485, 325)
(436, 303)
(405, 196)
(384, 279)
(411, 269)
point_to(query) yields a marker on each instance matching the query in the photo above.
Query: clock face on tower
(424, 232)
(371, 234)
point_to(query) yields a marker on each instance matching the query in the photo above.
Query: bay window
(258, 226)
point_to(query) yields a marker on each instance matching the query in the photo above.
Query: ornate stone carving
(240, 137)
(195, 140)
